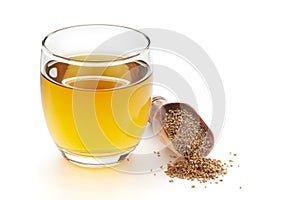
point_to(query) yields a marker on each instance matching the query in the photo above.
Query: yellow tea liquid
(96, 111)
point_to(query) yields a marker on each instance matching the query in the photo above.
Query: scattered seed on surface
(234, 154)
(202, 169)
(171, 181)
(193, 186)
(240, 187)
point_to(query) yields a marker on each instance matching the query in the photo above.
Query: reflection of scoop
(160, 107)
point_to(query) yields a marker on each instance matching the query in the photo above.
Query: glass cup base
(95, 162)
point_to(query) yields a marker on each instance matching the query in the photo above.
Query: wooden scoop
(159, 107)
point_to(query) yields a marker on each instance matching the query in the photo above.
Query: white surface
(255, 46)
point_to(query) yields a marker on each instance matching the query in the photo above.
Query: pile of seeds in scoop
(189, 138)
(188, 135)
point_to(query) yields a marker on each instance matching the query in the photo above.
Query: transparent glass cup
(96, 91)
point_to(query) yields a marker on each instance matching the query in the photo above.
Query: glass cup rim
(68, 59)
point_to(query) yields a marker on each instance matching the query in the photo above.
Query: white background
(255, 46)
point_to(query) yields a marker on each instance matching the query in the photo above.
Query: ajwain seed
(189, 138)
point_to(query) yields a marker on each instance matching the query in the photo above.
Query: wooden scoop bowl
(159, 107)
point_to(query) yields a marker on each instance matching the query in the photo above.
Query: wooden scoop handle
(157, 103)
